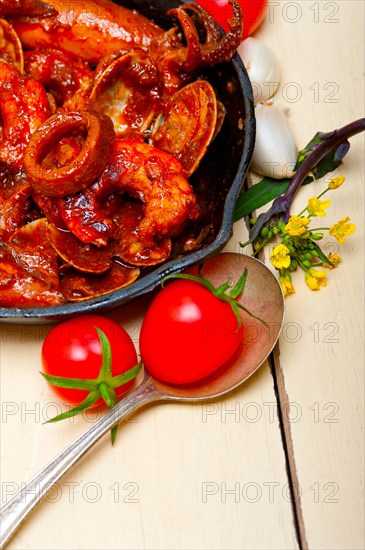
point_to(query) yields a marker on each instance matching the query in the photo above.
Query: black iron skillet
(220, 176)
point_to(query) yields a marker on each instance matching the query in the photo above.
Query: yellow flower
(286, 284)
(316, 207)
(335, 259)
(315, 278)
(297, 226)
(335, 183)
(342, 229)
(280, 257)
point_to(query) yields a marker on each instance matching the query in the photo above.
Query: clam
(188, 124)
(83, 257)
(29, 268)
(127, 92)
(78, 287)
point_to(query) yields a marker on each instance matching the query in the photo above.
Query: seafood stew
(207, 213)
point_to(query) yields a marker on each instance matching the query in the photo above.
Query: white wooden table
(223, 475)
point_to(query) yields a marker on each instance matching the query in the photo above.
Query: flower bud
(307, 263)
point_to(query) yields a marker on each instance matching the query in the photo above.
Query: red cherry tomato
(187, 333)
(72, 350)
(253, 12)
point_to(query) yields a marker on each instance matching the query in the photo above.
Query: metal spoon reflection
(262, 296)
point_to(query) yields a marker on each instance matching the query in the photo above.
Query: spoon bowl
(262, 296)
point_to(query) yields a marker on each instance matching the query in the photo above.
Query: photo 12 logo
(293, 12)
(74, 491)
(270, 491)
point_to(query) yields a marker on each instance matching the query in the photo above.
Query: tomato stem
(221, 291)
(106, 354)
(101, 387)
(90, 400)
(240, 285)
(108, 394)
(70, 383)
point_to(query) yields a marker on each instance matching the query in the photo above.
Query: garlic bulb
(275, 152)
(262, 68)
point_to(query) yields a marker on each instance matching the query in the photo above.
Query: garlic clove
(275, 153)
(262, 67)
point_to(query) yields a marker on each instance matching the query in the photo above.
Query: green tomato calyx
(221, 291)
(103, 386)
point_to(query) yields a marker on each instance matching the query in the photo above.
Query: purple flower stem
(282, 204)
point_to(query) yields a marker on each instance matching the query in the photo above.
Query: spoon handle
(16, 509)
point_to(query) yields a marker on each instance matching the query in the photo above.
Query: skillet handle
(16, 509)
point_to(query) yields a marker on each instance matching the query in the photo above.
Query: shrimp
(159, 181)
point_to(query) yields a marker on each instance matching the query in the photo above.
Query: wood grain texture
(321, 362)
(179, 476)
(184, 476)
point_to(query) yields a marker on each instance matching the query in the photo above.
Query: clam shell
(188, 124)
(78, 287)
(127, 92)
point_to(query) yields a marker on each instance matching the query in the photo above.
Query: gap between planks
(285, 430)
(282, 402)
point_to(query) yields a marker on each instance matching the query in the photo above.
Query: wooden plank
(320, 368)
(177, 457)
(179, 476)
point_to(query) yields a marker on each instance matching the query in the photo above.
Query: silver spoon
(262, 296)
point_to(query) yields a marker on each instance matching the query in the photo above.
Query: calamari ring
(59, 181)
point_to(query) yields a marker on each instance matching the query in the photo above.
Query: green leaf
(259, 195)
(201, 280)
(239, 288)
(252, 315)
(321, 255)
(106, 353)
(121, 379)
(108, 394)
(331, 161)
(71, 383)
(110, 398)
(86, 403)
(113, 433)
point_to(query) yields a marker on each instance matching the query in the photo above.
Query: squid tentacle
(187, 58)
(212, 28)
(213, 51)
